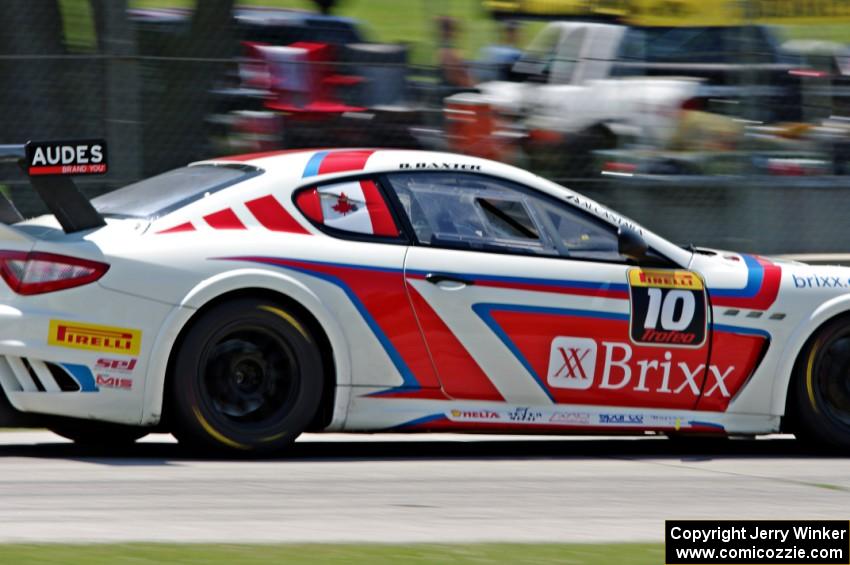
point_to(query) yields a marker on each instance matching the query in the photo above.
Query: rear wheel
(821, 401)
(247, 378)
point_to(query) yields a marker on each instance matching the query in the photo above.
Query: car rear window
(163, 193)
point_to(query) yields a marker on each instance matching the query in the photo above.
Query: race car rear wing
(49, 165)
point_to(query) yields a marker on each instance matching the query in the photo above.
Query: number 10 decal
(668, 308)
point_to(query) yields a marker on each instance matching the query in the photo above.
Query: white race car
(238, 302)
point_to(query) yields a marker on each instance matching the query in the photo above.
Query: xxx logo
(572, 363)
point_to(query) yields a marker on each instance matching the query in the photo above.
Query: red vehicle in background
(302, 79)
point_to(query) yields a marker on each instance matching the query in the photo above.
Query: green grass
(478, 554)
(408, 21)
(830, 32)
(412, 20)
(78, 24)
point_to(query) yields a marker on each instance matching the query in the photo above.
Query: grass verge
(408, 21)
(478, 554)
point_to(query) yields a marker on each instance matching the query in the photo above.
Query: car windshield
(163, 193)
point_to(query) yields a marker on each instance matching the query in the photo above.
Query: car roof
(296, 168)
(321, 163)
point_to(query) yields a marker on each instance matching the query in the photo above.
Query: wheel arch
(282, 289)
(797, 344)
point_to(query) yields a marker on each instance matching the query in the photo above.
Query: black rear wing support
(49, 165)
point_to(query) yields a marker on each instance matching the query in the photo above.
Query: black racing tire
(820, 402)
(98, 434)
(247, 378)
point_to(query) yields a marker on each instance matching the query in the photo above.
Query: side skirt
(376, 413)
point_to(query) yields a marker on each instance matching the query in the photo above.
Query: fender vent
(62, 378)
(32, 374)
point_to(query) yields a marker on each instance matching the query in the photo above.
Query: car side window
(467, 211)
(580, 236)
(537, 58)
(353, 206)
(569, 54)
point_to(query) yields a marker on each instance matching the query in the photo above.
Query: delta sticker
(82, 157)
(92, 337)
(668, 307)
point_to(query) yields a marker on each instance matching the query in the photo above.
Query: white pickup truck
(590, 83)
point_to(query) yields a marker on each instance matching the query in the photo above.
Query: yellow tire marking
(274, 437)
(215, 433)
(292, 321)
(810, 375)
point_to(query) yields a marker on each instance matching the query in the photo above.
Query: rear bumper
(10, 417)
(81, 353)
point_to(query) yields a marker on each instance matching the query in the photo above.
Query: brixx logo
(572, 363)
(817, 281)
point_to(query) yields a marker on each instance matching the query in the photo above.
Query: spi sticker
(668, 308)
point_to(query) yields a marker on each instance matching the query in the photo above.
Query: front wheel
(247, 378)
(822, 387)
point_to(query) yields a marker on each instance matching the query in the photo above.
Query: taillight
(694, 104)
(37, 273)
(619, 167)
(808, 73)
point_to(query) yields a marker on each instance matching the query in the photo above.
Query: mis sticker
(668, 308)
(92, 337)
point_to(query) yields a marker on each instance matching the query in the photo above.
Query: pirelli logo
(665, 279)
(94, 338)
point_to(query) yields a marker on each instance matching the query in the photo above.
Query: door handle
(437, 278)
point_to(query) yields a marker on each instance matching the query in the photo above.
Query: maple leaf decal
(344, 204)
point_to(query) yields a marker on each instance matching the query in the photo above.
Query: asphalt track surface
(393, 488)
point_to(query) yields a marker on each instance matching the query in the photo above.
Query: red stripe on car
(459, 373)
(764, 298)
(382, 220)
(310, 205)
(224, 220)
(273, 216)
(342, 161)
(182, 227)
(260, 155)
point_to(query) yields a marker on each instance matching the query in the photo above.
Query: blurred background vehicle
(297, 79)
(726, 120)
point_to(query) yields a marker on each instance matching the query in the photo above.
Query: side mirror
(631, 244)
